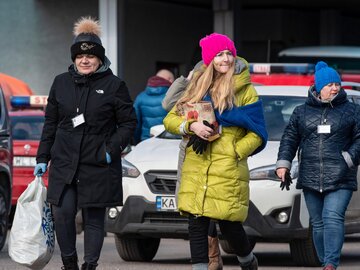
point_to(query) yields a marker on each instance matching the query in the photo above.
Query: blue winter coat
(327, 161)
(148, 108)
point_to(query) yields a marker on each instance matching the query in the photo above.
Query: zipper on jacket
(323, 121)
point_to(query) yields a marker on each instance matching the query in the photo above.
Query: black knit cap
(87, 40)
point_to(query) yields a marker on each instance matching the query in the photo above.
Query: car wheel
(141, 250)
(4, 217)
(303, 251)
(228, 249)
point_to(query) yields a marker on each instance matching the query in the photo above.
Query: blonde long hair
(219, 86)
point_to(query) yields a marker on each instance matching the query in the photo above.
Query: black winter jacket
(322, 166)
(79, 154)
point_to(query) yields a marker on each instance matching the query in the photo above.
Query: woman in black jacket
(89, 120)
(326, 133)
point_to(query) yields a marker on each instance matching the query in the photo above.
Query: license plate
(165, 203)
(24, 161)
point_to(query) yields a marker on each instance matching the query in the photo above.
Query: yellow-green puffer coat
(216, 183)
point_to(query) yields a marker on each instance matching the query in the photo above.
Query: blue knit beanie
(325, 75)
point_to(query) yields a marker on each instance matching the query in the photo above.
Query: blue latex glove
(108, 158)
(40, 169)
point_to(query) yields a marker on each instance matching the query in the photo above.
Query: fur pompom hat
(325, 75)
(87, 32)
(213, 44)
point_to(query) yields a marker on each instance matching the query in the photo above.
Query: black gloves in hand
(206, 123)
(287, 182)
(199, 145)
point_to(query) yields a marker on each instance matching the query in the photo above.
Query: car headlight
(264, 173)
(129, 170)
(268, 172)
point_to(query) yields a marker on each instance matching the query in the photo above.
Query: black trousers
(212, 228)
(65, 228)
(233, 232)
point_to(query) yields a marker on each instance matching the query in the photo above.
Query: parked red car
(5, 168)
(26, 126)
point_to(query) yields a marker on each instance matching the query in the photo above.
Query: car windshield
(277, 112)
(27, 127)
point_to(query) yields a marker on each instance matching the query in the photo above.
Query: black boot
(88, 266)
(70, 263)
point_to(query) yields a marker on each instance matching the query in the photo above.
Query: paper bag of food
(201, 111)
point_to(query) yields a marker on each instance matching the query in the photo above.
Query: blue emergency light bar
(293, 68)
(20, 101)
(28, 101)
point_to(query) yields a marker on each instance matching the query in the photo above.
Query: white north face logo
(99, 91)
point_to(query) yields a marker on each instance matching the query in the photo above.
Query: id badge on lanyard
(324, 129)
(78, 120)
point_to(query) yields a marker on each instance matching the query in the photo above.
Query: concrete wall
(267, 31)
(161, 32)
(35, 37)
(281, 28)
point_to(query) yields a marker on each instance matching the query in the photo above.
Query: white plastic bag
(32, 238)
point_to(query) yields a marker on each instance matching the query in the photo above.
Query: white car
(149, 176)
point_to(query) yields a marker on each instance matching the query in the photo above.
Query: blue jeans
(327, 216)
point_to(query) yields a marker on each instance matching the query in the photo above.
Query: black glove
(199, 145)
(287, 182)
(206, 123)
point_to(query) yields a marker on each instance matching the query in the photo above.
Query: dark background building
(142, 36)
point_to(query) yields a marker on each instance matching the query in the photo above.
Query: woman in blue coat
(89, 120)
(326, 133)
(148, 108)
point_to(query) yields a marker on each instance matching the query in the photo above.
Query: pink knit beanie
(213, 44)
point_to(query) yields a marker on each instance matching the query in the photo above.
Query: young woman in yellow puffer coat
(215, 175)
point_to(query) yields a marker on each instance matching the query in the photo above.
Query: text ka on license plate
(164, 203)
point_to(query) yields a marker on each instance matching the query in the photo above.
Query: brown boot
(215, 260)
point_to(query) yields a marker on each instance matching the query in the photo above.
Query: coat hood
(241, 73)
(156, 81)
(103, 70)
(157, 86)
(313, 98)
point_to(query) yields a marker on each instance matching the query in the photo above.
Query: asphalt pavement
(175, 255)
